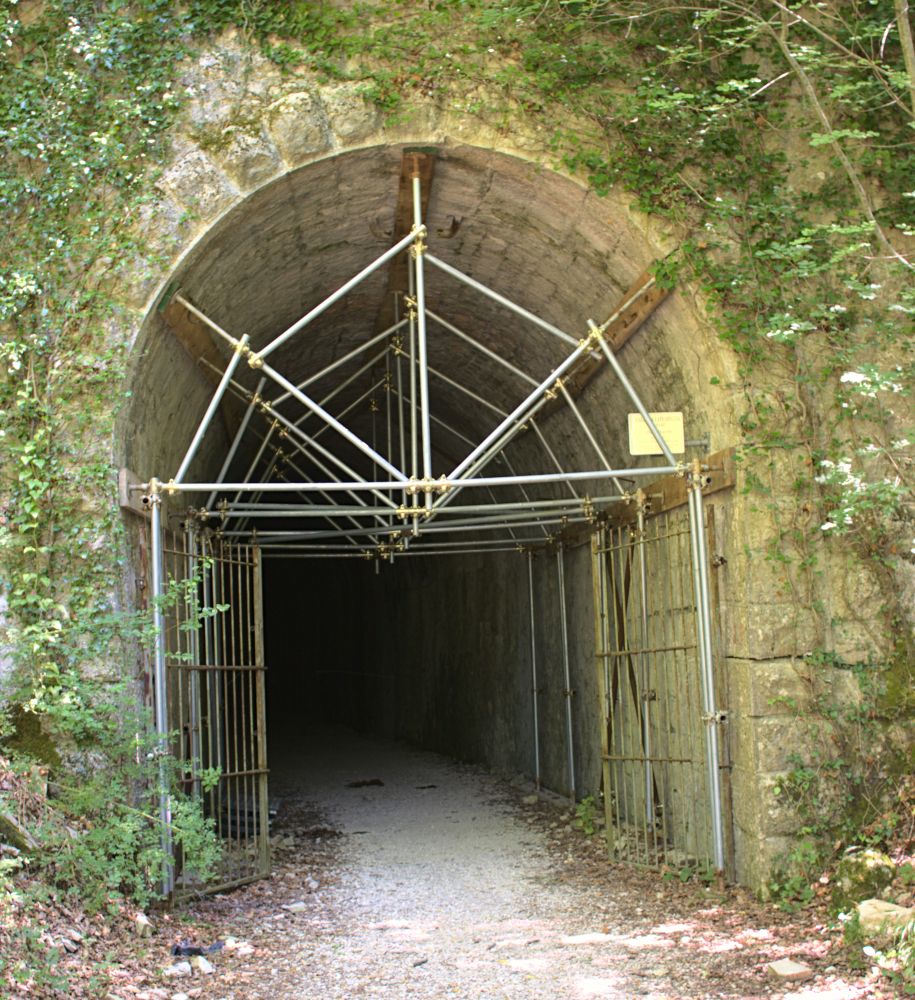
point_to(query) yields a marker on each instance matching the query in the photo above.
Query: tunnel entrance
(353, 496)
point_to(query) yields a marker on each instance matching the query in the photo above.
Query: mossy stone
(30, 739)
(861, 875)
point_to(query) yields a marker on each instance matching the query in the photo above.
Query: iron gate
(214, 687)
(656, 708)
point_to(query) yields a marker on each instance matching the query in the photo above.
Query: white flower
(837, 309)
(827, 526)
(854, 377)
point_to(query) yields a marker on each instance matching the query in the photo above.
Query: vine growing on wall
(86, 97)
(774, 137)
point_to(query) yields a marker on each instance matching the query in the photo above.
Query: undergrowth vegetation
(775, 139)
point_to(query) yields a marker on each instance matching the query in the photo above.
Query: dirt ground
(407, 875)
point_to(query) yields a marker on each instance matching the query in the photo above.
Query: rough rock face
(861, 876)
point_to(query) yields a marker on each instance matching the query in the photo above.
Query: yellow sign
(670, 427)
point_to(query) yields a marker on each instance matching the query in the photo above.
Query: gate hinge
(719, 718)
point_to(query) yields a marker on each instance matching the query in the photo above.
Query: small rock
(180, 996)
(530, 800)
(877, 918)
(74, 935)
(786, 968)
(142, 925)
(68, 945)
(203, 966)
(312, 884)
(178, 969)
(296, 907)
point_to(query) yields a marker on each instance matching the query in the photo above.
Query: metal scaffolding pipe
(336, 296)
(355, 352)
(543, 441)
(211, 409)
(367, 555)
(633, 395)
(331, 457)
(496, 449)
(160, 689)
(534, 691)
(564, 627)
(444, 484)
(236, 441)
(194, 675)
(332, 421)
(215, 327)
(320, 510)
(643, 667)
(706, 663)
(592, 440)
(397, 532)
(499, 360)
(499, 544)
(501, 299)
(519, 411)
(419, 252)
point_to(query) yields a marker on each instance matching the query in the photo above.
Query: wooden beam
(670, 491)
(419, 163)
(197, 340)
(639, 302)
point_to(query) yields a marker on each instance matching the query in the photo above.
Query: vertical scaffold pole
(534, 690)
(160, 689)
(706, 662)
(643, 662)
(193, 673)
(417, 251)
(567, 693)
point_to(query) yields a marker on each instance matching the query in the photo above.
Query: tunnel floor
(438, 879)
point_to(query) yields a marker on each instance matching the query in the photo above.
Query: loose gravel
(405, 874)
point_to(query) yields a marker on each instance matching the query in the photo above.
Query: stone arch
(277, 190)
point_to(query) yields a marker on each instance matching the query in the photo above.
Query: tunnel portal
(380, 422)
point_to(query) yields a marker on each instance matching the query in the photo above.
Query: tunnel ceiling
(528, 233)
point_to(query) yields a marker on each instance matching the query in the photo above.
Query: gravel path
(438, 880)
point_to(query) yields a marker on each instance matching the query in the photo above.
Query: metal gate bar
(214, 690)
(659, 780)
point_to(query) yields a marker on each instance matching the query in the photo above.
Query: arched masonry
(277, 190)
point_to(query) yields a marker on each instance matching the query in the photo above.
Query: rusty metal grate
(216, 697)
(653, 729)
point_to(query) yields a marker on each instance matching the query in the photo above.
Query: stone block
(775, 815)
(351, 117)
(197, 184)
(298, 126)
(768, 687)
(249, 158)
(771, 631)
(778, 744)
